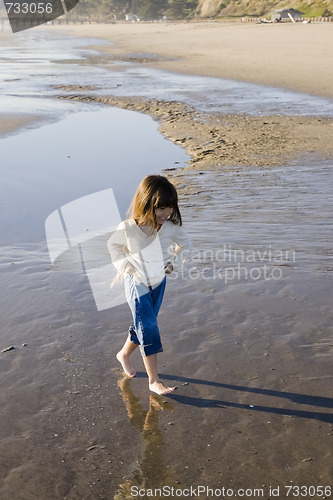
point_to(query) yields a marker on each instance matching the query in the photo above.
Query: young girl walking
(144, 248)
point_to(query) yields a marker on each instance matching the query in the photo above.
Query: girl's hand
(168, 268)
(129, 269)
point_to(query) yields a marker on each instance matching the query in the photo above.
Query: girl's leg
(141, 302)
(150, 362)
(155, 384)
(145, 305)
(123, 357)
(157, 296)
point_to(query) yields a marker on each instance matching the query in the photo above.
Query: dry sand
(294, 56)
(252, 357)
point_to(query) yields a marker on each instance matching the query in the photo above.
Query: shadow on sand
(299, 399)
(149, 469)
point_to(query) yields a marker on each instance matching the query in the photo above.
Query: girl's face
(162, 214)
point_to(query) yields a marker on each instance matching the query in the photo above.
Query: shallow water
(284, 208)
(35, 61)
(84, 152)
(90, 149)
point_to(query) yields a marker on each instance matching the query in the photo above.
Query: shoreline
(296, 57)
(214, 140)
(220, 140)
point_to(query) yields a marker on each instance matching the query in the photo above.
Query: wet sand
(12, 122)
(215, 140)
(251, 352)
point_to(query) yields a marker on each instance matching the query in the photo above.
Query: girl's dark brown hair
(154, 191)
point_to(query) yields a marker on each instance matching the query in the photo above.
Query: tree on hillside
(181, 9)
(105, 10)
(153, 9)
(84, 10)
(136, 7)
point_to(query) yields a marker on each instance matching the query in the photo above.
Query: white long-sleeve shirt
(147, 254)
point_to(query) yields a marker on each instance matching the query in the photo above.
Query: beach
(293, 56)
(246, 323)
(253, 53)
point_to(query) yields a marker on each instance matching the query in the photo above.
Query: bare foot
(126, 365)
(160, 388)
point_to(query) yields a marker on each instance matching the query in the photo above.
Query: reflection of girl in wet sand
(144, 249)
(151, 471)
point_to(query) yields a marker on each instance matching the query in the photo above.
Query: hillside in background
(147, 10)
(226, 8)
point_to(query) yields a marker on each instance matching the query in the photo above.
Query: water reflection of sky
(85, 152)
(36, 60)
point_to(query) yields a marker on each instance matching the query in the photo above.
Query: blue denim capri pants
(145, 303)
